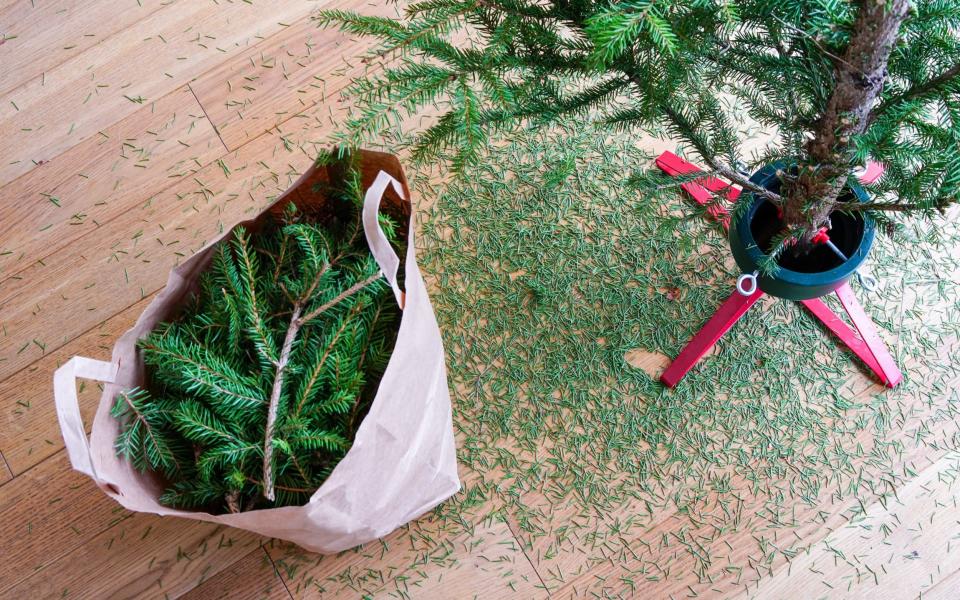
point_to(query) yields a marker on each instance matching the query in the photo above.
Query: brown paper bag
(403, 460)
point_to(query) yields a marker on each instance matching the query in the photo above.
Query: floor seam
(100, 42)
(7, 465)
(273, 564)
(527, 556)
(270, 131)
(71, 340)
(216, 130)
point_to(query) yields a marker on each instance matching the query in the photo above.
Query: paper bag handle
(68, 407)
(380, 247)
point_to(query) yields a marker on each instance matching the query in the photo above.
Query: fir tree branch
(299, 468)
(283, 488)
(350, 291)
(201, 375)
(154, 451)
(222, 416)
(307, 388)
(280, 257)
(136, 412)
(262, 340)
(682, 127)
(914, 92)
(295, 323)
(744, 182)
(360, 364)
(889, 206)
(233, 501)
(316, 281)
(816, 42)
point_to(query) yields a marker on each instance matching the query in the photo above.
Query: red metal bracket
(867, 346)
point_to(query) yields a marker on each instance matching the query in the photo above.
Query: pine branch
(309, 386)
(347, 293)
(708, 156)
(222, 413)
(796, 70)
(949, 76)
(288, 340)
(200, 425)
(296, 322)
(201, 372)
(140, 441)
(890, 206)
(258, 329)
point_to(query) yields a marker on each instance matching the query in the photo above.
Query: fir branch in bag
(256, 390)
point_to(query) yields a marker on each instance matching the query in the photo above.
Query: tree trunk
(858, 81)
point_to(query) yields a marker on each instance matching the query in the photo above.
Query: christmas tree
(837, 82)
(257, 388)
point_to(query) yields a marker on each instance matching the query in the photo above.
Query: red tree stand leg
(886, 368)
(729, 313)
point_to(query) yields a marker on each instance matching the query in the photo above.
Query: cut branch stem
(350, 291)
(295, 323)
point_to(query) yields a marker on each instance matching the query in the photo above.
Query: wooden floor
(132, 131)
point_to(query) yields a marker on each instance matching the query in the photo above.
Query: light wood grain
(145, 556)
(142, 63)
(283, 76)
(74, 195)
(946, 589)
(46, 513)
(42, 35)
(5, 473)
(73, 277)
(29, 432)
(131, 255)
(253, 577)
(427, 559)
(640, 547)
(901, 547)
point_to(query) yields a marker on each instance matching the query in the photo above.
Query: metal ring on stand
(748, 279)
(869, 282)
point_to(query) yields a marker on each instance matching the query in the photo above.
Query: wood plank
(283, 75)
(46, 513)
(29, 432)
(901, 547)
(88, 92)
(131, 256)
(253, 577)
(62, 200)
(428, 559)
(144, 556)
(41, 35)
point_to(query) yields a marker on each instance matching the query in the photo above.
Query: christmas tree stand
(865, 342)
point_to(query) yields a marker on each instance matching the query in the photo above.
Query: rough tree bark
(858, 77)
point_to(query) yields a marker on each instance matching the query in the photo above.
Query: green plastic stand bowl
(816, 274)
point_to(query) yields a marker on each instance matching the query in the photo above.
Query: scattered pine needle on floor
(549, 269)
(550, 274)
